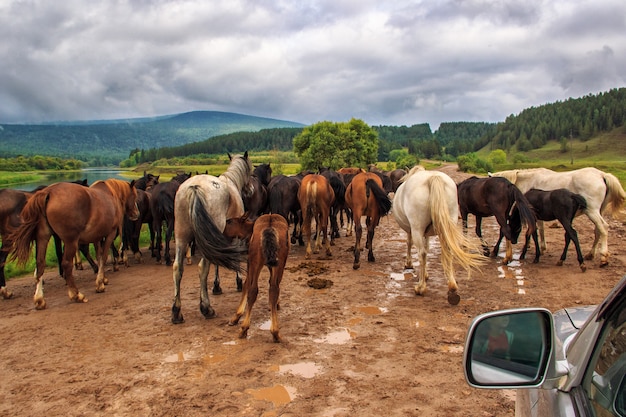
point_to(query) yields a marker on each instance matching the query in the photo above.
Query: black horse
(562, 205)
(162, 209)
(283, 200)
(496, 196)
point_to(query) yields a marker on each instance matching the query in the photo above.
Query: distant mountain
(103, 142)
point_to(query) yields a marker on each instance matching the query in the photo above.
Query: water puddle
(339, 337)
(303, 369)
(265, 325)
(278, 394)
(211, 359)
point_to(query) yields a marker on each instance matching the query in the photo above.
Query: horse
(202, 205)
(316, 196)
(76, 214)
(562, 205)
(283, 200)
(425, 205)
(395, 176)
(269, 246)
(335, 180)
(162, 209)
(254, 204)
(496, 196)
(602, 192)
(11, 204)
(365, 196)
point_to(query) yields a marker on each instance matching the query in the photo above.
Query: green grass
(10, 178)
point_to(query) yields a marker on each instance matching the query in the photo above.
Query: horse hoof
(559, 263)
(583, 267)
(207, 312)
(604, 264)
(453, 298)
(178, 320)
(356, 265)
(40, 304)
(6, 294)
(217, 291)
(589, 256)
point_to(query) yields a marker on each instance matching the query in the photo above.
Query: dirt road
(364, 346)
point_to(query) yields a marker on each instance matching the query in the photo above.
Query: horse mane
(238, 171)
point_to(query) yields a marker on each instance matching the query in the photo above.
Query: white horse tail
(615, 194)
(454, 244)
(209, 239)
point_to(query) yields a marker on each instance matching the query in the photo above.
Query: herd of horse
(240, 220)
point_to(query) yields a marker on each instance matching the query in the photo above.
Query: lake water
(91, 174)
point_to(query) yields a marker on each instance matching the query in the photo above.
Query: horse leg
(239, 282)
(68, 266)
(84, 249)
(217, 289)
(251, 295)
(509, 252)
(421, 243)
(306, 232)
(58, 249)
(358, 231)
(525, 248)
(276, 274)
(4, 292)
(243, 302)
(205, 304)
(101, 256)
(156, 253)
(177, 270)
(41, 245)
(601, 237)
(571, 234)
(408, 262)
(324, 231)
(542, 237)
(168, 237)
(371, 227)
(479, 233)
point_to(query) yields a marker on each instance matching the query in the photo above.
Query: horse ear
(229, 156)
(245, 155)
(132, 183)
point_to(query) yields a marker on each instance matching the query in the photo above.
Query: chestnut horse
(425, 205)
(269, 246)
(365, 196)
(316, 196)
(77, 215)
(201, 207)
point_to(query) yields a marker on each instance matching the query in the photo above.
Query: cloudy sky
(386, 62)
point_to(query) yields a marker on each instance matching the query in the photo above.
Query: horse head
(130, 205)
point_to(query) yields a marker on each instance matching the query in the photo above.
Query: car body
(570, 363)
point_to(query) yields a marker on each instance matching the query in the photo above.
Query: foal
(269, 246)
(562, 205)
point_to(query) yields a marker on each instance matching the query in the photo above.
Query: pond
(91, 174)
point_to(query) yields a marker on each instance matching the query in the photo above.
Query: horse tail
(339, 188)
(615, 194)
(455, 245)
(269, 243)
(23, 236)
(525, 209)
(580, 201)
(311, 198)
(209, 239)
(382, 200)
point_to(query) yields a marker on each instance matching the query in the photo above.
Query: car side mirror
(509, 348)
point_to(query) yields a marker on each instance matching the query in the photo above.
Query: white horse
(201, 207)
(425, 204)
(602, 191)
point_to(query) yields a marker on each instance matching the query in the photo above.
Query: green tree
(336, 145)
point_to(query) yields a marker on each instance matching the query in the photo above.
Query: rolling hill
(104, 142)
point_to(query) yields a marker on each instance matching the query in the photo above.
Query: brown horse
(11, 204)
(76, 214)
(316, 196)
(269, 246)
(365, 197)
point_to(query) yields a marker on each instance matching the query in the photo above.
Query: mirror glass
(508, 348)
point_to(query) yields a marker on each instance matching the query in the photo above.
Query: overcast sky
(385, 62)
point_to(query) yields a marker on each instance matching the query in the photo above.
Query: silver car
(570, 363)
